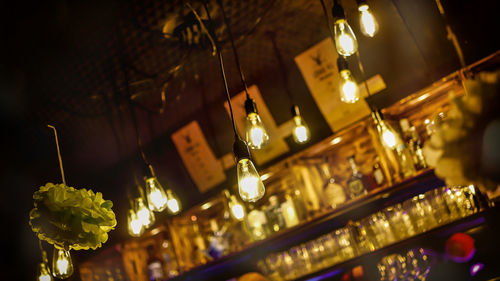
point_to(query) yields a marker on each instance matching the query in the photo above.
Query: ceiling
(75, 64)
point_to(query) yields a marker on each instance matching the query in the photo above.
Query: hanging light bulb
(236, 208)
(62, 265)
(145, 215)
(250, 185)
(44, 273)
(157, 199)
(348, 88)
(345, 40)
(388, 136)
(256, 134)
(368, 24)
(300, 133)
(173, 203)
(135, 227)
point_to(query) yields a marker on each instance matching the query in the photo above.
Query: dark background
(64, 63)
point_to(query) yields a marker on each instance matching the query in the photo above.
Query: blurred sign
(318, 66)
(205, 170)
(276, 146)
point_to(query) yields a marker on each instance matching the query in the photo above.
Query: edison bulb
(345, 40)
(256, 134)
(157, 199)
(62, 265)
(173, 203)
(301, 133)
(237, 209)
(145, 215)
(349, 92)
(44, 272)
(135, 227)
(250, 185)
(388, 136)
(369, 26)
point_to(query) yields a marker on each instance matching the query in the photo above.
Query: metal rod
(58, 154)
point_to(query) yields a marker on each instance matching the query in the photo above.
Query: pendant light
(145, 215)
(135, 226)
(250, 186)
(367, 22)
(62, 264)
(348, 88)
(345, 40)
(43, 272)
(300, 132)
(256, 135)
(236, 208)
(388, 136)
(157, 198)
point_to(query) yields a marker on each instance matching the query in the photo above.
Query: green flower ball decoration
(71, 218)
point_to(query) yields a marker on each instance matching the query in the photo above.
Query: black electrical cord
(328, 25)
(221, 62)
(281, 63)
(236, 58)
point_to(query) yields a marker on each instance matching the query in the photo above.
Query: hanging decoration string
(221, 62)
(327, 19)
(58, 154)
(235, 52)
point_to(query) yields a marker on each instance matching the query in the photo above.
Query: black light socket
(295, 110)
(342, 63)
(337, 11)
(361, 2)
(250, 106)
(240, 150)
(149, 171)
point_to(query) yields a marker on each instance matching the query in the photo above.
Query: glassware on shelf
(378, 173)
(363, 238)
(378, 225)
(418, 264)
(257, 224)
(345, 244)
(289, 211)
(392, 267)
(400, 221)
(420, 213)
(413, 143)
(274, 213)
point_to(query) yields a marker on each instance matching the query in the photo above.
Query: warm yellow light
(369, 25)
(173, 203)
(256, 134)
(301, 133)
(135, 227)
(44, 272)
(237, 209)
(348, 87)
(345, 40)
(157, 199)
(389, 137)
(62, 265)
(250, 185)
(145, 215)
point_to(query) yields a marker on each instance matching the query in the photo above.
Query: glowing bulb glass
(44, 273)
(369, 26)
(345, 40)
(62, 265)
(237, 209)
(388, 136)
(173, 203)
(157, 199)
(256, 134)
(349, 92)
(250, 185)
(301, 133)
(145, 215)
(135, 227)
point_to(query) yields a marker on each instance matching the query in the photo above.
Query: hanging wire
(325, 11)
(281, 63)
(58, 154)
(221, 62)
(235, 52)
(133, 117)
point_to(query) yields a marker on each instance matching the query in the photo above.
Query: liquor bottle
(405, 161)
(155, 266)
(378, 174)
(275, 214)
(413, 143)
(289, 212)
(332, 190)
(257, 224)
(358, 183)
